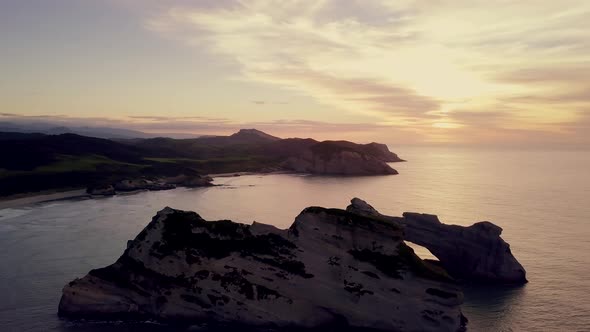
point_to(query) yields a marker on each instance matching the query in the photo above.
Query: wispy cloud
(267, 102)
(158, 118)
(210, 126)
(444, 70)
(407, 62)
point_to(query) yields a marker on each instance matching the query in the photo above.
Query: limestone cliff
(337, 157)
(330, 268)
(342, 162)
(474, 253)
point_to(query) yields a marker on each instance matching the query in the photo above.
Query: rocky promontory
(154, 184)
(343, 158)
(338, 163)
(476, 253)
(331, 268)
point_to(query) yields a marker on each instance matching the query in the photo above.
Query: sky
(464, 72)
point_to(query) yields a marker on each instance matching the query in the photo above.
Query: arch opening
(421, 251)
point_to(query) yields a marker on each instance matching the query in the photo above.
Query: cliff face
(382, 152)
(331, 267)
(474, 253)
(333, 157)
(343, 162)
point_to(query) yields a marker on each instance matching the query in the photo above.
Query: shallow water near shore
(539, 198)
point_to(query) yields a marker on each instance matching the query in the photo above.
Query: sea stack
(475, 254)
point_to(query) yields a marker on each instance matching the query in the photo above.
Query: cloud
(158, 118)
(493, 119)
(300, 46)
(561, 85)
(406, 63)
(265, 102)
(442, 69)
(556, 73)
(368, 95)
(204, 126)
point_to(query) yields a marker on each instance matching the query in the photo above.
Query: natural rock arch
(473, 253)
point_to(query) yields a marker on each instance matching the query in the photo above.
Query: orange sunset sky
(406, 72)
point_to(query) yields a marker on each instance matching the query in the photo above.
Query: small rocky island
(341, 268)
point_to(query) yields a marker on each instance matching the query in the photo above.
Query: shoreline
(231, 174)
(34, 198)
(238, 174)
(27, 199)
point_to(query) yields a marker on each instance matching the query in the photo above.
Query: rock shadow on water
(491, 305)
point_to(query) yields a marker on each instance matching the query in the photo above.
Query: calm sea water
(540, 198)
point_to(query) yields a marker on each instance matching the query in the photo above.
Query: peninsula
(38, 162)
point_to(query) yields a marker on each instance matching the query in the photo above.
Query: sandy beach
(12, 202)
(34, 198)
(232, 174)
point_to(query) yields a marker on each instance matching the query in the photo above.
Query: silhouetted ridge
(254, 135)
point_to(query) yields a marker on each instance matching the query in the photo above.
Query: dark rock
(106, 190)
(183, 268)
(142, 184)
(474, 253)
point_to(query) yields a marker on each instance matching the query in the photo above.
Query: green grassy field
(189, 160)
(83, 163)
(66, 164)
(69, 171)
(216, 165)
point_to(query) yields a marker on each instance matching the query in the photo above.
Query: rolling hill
(36, 162)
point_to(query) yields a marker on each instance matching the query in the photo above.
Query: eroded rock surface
(338, 163)
(339, 158)
(154, 184)
(105, 190)
(142, 184)
(474, 253)
(190, 180)
(331, 267)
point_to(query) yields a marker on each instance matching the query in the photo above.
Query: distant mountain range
(49, 128)
(33, 162)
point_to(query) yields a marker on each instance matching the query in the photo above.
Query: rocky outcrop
(142, 184)
(190, 180)
(106, 190)
(343, 162)
(474, 253)
(381, 151)
(333, 157)
(330, 268)
(165, 183)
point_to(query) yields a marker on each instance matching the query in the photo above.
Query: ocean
(540, 198)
